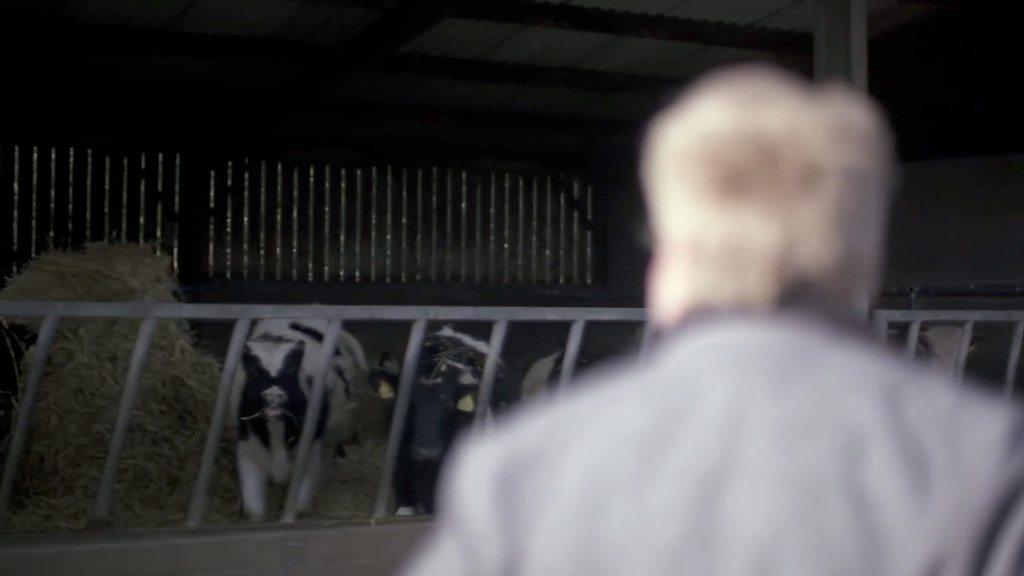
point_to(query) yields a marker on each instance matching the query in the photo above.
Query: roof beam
(503, 72)
(623, 23)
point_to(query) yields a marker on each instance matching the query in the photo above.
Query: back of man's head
(758, 181)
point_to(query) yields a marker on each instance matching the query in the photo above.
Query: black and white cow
(270, 397)
(442, 405)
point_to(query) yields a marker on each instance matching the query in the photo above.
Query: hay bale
(78, 399)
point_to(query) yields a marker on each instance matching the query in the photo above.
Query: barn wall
(958, 221)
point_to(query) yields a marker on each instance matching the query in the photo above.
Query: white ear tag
(466, 404)
(386, 390)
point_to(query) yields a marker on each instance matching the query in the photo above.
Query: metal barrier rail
(883, 319)
(243, 316)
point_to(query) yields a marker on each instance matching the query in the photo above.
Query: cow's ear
(293, 361)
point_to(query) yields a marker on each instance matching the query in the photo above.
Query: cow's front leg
(311, 478)
(252, 480)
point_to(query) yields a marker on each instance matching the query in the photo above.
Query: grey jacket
(742, 446)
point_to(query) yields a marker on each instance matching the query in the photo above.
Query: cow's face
(444, 400)
(274, 389)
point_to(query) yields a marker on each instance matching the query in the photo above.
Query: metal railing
(967, 320)
(243, 317)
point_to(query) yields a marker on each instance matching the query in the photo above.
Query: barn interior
(468, 153)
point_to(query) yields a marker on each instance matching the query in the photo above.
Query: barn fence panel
(242, 316)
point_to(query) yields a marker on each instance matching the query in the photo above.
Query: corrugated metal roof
(603, 52)
(315, 23)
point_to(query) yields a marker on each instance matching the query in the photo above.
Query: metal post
(410, 367)
(965, 346)
(104, 497)
(497, 342)
(912, 337)
(197, 507)
(26, 405)
(1011, 365)
(645, 341)
(841, 41)
(316, 400)
(572, 352)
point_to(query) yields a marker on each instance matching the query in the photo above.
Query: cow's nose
(274, 396)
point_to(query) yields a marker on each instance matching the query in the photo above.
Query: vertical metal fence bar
(463, 229)
(17, 204)
(212, 219)
(493, 258)
(1011, 364)
(358, 229)
(590, 235)
(159, 202)
(576, 230)
(106, 198)
(449, 247)
(26, 406)
(913, 335)
(278, 217)
(309, 425)
(508, 228)
(342, 223)
(327, 222)
(419, 224)
(177, 212)
(71, 196)
(964, 349)
(572, 353)
(521, 200)
(245, 219)
(35, 200)
(142, 198)
(407, 379)
(562, 233)
(200, 493)
(548, 233)
(388, 223)
(535, 223)
(479, 251)
(405, 226)
(88, 196)
(53, 195)
(373, 223)
(263, 220)
(310, 223)
(295, 223)
(433, 224)
(229, 238)
(124, 198)
(491, 363)
(104, 498)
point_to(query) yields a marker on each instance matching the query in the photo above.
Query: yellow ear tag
(386, 390)
(466, 404)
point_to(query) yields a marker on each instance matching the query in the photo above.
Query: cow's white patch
(271, 354)
(386, 390)
(478, 345)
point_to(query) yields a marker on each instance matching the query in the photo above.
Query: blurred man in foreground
(767, 434)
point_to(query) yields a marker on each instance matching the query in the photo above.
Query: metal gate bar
(243, 316)
(967, 320)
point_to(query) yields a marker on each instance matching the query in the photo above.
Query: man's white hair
(769, 182)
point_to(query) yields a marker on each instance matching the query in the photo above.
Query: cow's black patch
(311, 333)
(258, 380)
